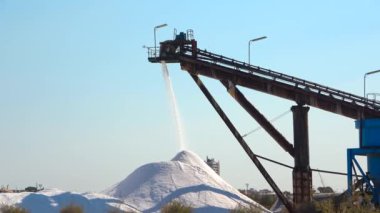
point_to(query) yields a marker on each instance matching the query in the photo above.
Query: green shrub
(12, 209)
(176, 207)
(329, 206)
(265, 200)
(71, 209)
(245, 209)
(336, 205)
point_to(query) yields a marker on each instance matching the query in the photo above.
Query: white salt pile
(53, 200)
(186, 178)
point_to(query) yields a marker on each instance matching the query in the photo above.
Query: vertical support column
(302, 179)
(349, 171)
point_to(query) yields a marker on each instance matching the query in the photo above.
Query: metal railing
(153, 52)
(374, 97)
(189, 34)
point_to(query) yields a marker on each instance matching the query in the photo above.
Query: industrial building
(213, 164)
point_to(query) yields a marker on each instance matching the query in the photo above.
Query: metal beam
(242, 142)
(260, 118)
(277, 88)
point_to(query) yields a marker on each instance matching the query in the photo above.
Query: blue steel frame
(351, 159)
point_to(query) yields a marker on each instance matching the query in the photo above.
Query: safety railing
(153, 52)
(189, 34)
(374, 97)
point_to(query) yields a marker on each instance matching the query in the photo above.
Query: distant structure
(215, 165)
(6, 189)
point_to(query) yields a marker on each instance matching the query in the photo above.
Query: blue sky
(81, 107)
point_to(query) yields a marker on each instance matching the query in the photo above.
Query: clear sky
(81, 107)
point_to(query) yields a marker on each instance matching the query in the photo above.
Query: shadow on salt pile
(195, 189)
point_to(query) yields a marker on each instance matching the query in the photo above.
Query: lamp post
(365, 76)
(155, 45)
(249, 47)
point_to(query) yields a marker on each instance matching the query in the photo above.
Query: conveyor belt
(278, 84)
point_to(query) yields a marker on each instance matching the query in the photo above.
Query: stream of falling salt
(174, 106)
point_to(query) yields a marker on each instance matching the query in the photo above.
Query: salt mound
(189, 157)
(185, 178)
(53, 200)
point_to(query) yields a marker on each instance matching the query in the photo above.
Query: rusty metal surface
(242, 142)
(302, 175)
(302, 187)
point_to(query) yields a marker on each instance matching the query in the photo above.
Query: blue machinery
(232, 73)
(369, 137)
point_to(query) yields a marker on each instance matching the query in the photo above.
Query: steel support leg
(349, 171)
(242, 142)
(302, 179)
